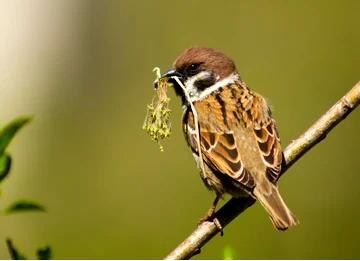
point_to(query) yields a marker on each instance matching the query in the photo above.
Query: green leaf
(9, 131)
(14, 253)
(229, 253)
(24, 205)
(5, 164)
(44, 253)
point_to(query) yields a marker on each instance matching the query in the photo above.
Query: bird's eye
(194, 66)
(191, 69)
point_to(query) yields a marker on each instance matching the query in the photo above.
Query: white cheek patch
(197, 95)
(189, 84)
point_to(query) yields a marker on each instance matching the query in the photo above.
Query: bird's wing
(266, 135)
(270, 150)
(221, 151)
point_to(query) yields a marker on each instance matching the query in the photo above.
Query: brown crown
(208, 58)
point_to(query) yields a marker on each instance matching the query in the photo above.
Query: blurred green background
(84, 70)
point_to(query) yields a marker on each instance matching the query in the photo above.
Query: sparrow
(239, 142)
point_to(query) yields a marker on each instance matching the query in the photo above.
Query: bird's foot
(210, 217)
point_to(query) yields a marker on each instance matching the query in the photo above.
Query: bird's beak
(171, 73)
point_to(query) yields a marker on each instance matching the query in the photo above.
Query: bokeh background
(83, 69)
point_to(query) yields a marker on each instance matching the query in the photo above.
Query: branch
(297, 148)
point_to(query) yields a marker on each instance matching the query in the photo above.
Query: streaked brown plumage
(239, 141)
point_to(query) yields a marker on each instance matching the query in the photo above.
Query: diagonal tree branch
(297, 148)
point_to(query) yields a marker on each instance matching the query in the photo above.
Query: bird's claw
(212, 218)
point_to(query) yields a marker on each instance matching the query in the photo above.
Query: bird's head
(202, 71)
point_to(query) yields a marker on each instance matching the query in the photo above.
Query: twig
(297, 148)
(196, 122)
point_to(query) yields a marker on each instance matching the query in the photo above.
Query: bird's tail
(270, 198)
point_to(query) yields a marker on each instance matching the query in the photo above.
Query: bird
(239, 142)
